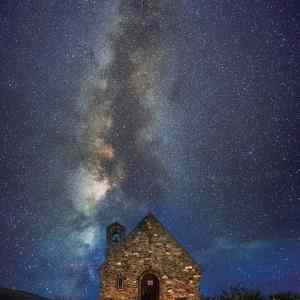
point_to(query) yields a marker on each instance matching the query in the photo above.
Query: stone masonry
(148, 249)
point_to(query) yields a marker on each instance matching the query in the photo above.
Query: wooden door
(149, 287)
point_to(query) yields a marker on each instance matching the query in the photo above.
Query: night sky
(113, 108)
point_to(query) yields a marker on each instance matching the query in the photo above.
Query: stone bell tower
(115, 233)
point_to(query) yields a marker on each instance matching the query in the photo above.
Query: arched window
(120, 282)
(116, 237)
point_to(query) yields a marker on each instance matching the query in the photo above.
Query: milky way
(114, 108)
(121, 147)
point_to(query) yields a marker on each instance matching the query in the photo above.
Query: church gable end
(148, 265)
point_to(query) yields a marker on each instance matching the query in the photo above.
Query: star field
(110, 109)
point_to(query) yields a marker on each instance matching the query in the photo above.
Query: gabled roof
(150, 218)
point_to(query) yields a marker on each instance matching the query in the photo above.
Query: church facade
(147, 264)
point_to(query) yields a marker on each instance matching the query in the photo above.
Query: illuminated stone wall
(149, 249)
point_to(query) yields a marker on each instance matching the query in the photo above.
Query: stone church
(147, 264)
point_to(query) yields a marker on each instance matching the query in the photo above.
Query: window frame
(120, 282)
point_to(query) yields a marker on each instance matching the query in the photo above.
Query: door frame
(152, 272)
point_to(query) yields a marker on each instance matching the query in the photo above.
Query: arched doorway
(149, 287)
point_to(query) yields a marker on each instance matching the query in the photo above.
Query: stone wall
(149, 248)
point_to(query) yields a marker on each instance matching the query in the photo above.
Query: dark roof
(115, 224)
